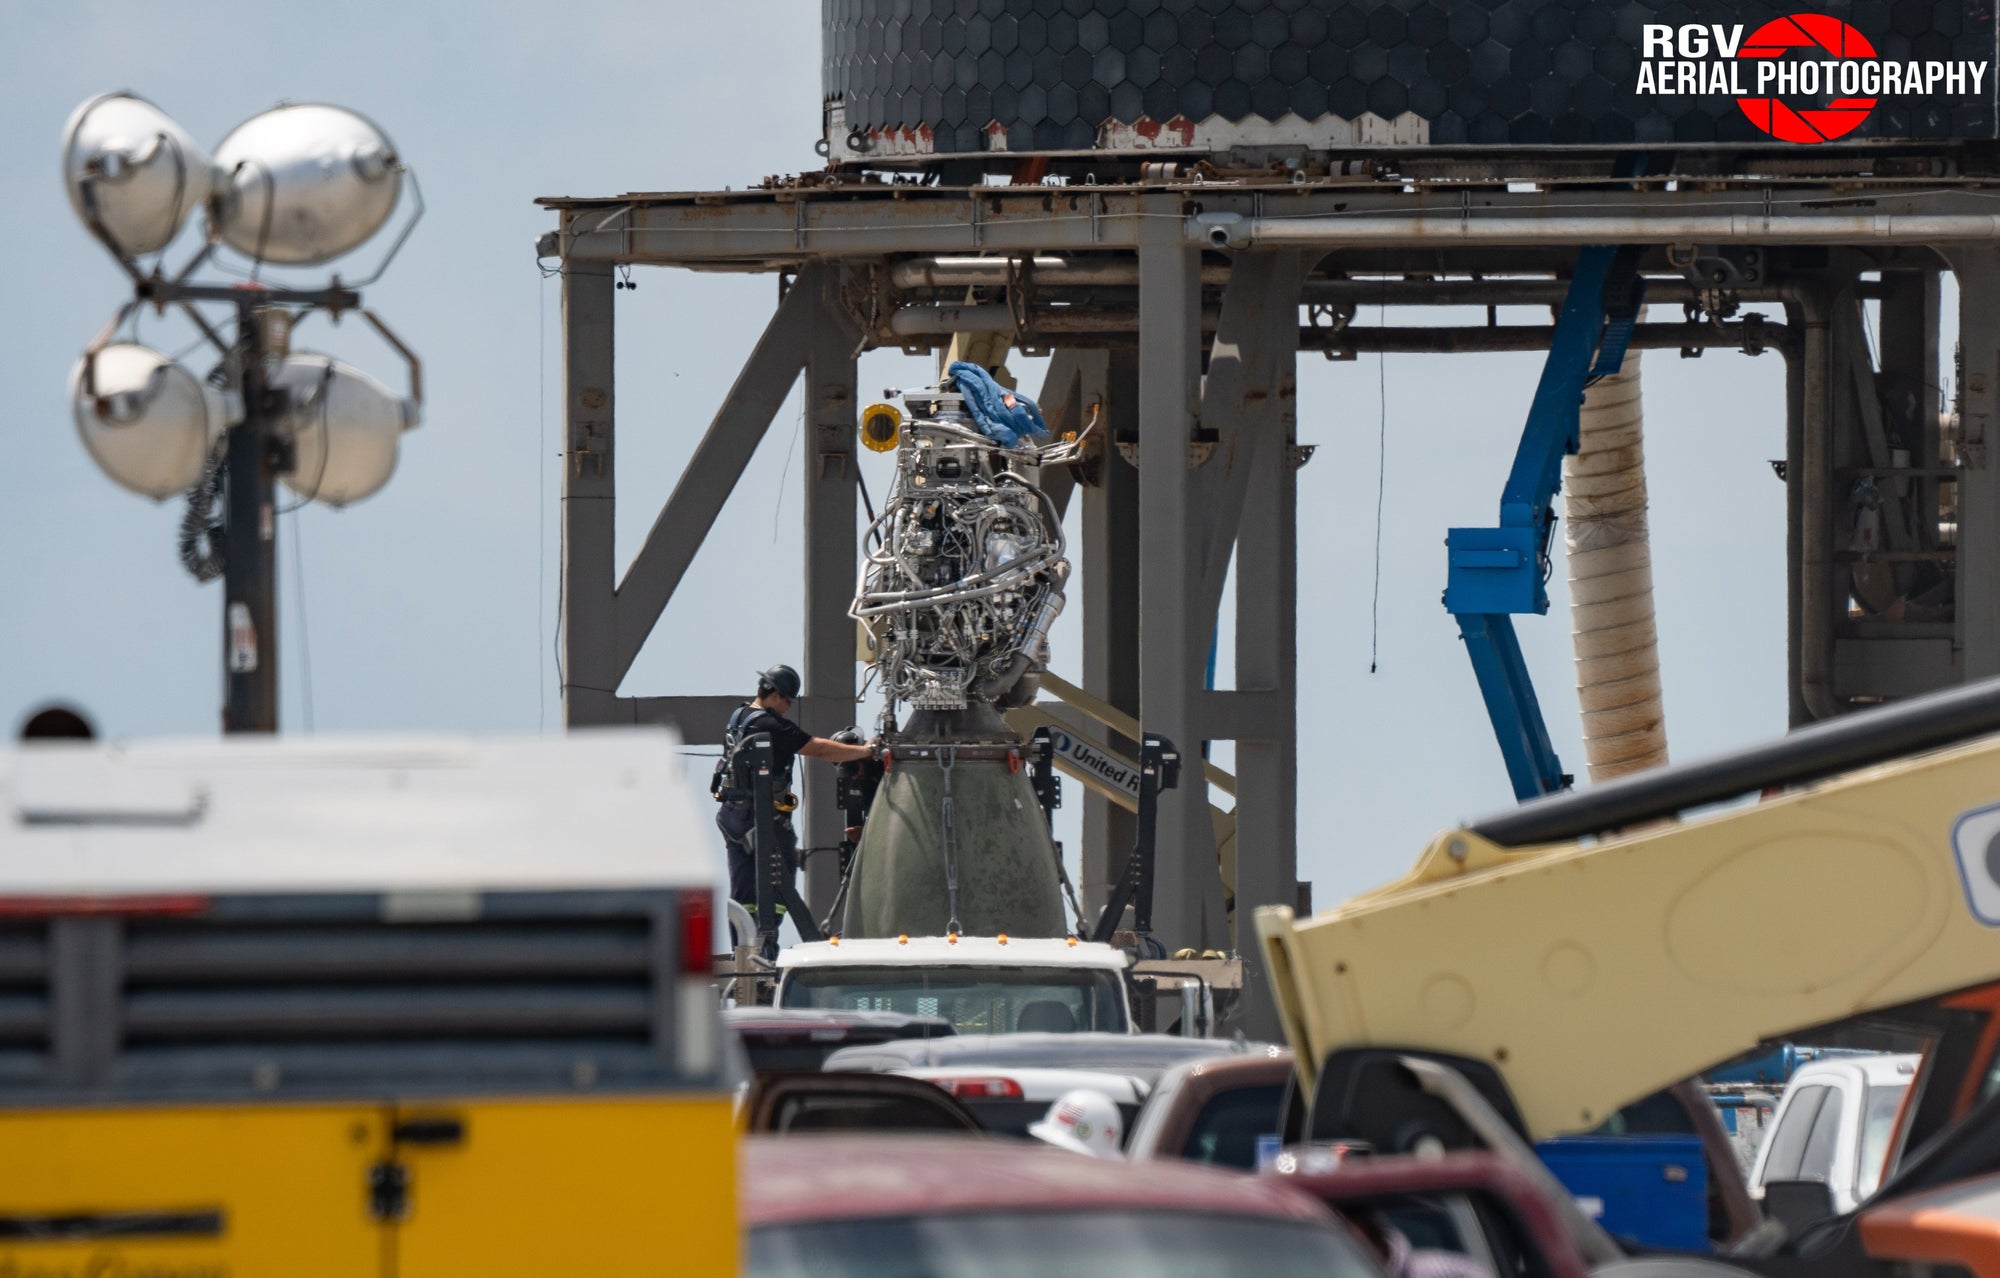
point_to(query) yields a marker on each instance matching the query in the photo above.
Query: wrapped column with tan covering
(1611, 582)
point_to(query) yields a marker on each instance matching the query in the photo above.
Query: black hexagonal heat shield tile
(1051, 73)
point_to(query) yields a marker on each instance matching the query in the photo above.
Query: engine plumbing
(966, 568)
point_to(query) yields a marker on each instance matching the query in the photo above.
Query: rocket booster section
(964, 576)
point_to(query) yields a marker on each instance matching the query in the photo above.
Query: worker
(1083, 1122)
(777, 689)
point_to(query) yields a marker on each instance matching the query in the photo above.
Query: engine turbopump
(966, 572)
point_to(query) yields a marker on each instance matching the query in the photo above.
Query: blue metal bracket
(1496, 572)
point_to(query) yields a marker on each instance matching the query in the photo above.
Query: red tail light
(982, 1088)
(697, 932)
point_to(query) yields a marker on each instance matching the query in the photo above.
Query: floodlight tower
(295, 187)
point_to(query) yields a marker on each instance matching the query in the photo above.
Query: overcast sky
(431, 606)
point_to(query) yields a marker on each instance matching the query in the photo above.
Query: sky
(431, 606)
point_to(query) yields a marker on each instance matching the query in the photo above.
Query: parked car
(948, 1207)
(785, 1104)
(1010, 1080)
(1214, 1110)
(1473, 1204)
(777, 1038)
(1834, 1126)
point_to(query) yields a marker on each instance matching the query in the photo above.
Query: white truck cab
(982, 984)
(1834, 1125)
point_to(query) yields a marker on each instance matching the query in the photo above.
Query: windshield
(983, 1000)
(1878, 1124)
(1103, 1244)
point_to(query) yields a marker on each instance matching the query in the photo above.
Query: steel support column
(1244, 402)
(1267, 795)
(1110, 572)
(1797, 713)
(831, 550)
(589, 671)
(1814, 466)
(1909, 346)
(1978, 617)
(1173, 641)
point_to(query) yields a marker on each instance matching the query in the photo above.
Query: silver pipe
(1370, 338)
(1493, 292)
(1054, 272)
(1231, 231)
(993, 317)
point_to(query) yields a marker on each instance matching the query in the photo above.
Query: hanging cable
(201, 534)
(1381, 483)
(778, 511)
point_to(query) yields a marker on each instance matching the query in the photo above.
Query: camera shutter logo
(1821, 38)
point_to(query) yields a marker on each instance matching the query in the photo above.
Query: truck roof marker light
(904, 939)
(1002, 938)
(951, 938)
(833, 940)
(1072, 942)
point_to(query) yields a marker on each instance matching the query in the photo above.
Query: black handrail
(1878, 735)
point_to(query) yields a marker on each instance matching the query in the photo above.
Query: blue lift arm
(1497, 572)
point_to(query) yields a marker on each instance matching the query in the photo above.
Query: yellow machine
(379, 1007)
(1593, 948)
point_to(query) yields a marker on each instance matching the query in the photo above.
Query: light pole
(295, 187)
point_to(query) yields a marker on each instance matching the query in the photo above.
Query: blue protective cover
(1008, 425)
(1653, 1189)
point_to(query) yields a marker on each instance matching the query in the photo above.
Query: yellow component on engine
(1595, 972)
(881, 427)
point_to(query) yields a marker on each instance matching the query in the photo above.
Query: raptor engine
(965, 572)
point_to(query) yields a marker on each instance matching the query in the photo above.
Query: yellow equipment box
(372, 1008)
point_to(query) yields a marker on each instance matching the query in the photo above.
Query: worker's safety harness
(746, 774)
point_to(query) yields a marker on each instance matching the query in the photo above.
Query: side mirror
(1798, 1205)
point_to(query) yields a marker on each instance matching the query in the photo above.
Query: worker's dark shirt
(787, 739)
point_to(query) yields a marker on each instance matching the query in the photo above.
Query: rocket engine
(963, 578)
(966, 572)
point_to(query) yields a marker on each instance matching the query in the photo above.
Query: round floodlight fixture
(304, 184)
(344, 427)
(140, 174)
(146, 421)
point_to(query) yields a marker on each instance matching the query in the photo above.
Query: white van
(1834, 1125)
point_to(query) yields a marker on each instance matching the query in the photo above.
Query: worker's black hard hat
(782, 680)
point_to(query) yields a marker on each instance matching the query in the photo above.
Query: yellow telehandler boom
(1592, 948)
